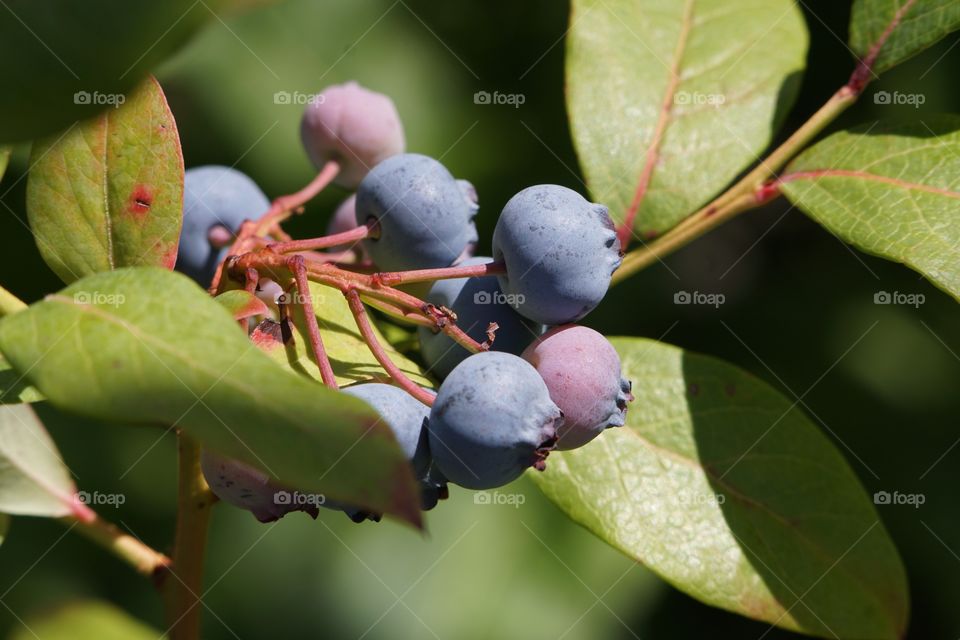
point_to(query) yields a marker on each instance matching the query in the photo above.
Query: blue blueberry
(492, 419)
(560, 251)
(354, 126)
(214, 198)
(425, 215)
(241, 485)
(477, 302)
(407, 418)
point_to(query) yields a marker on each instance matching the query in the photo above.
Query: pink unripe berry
(243, 486)
(582, 372)
(354, 126)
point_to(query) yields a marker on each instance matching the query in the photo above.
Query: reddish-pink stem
(340, 257)
(252, 280)
(279, 210)
(407, 315)
(330, 275)
(283, 205)
(296, 265)
(398, 376)
(393, 278)
(311, 244)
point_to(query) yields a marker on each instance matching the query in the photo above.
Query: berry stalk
(312, 244)
(398, 376)
(393, 278)
(281, 209)
(283, 206)
(405, 315)
(296, 264)
(395, 302)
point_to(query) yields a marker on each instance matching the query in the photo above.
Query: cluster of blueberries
(545, 383)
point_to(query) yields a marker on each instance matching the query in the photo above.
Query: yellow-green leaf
(670, 99)
(144, 345)
(4, 159)
(84, 620)
(349, 355)
(899, 29)
(892, 190)
(729, 492)
(33, 479)
(242, 304)
(14, 387)
(109, 192)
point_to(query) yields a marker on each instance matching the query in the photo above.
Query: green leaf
(670, 99)
(242, 304)
(892, 190)
(33, 479)
(900, 28)
(109, 193)
(4, 159)
(349, 355)
(85, 620)
(70, 60)
(724, 488)
(146, 345)
(14, 387)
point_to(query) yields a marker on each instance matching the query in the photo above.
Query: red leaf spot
(140, 200)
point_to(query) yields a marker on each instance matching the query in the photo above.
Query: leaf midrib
(64, 498)
(146, 338)
(663, 119)
(815, 174)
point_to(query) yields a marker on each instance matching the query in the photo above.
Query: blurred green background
(799, 312)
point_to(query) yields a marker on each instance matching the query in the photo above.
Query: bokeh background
(799, 313)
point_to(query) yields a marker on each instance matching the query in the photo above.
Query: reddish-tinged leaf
(108, 192)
